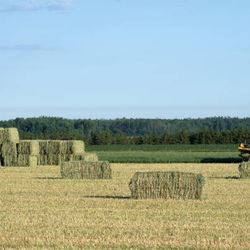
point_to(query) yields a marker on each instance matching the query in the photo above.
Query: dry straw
(28, 147)
(85, 157)
(86, 170)
(1, 135)
(166, 185)
(10, 135)
(244, 169)
(8, 148)
(9, 160)
(26, 160)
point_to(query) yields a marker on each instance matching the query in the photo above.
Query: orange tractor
(244, 151)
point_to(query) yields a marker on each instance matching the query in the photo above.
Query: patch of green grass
(167, 153)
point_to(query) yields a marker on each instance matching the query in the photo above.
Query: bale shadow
(227, 177)
(48, 178)
(115, 197)
(232, 177)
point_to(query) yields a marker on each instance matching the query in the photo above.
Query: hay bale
(28, 147)
(49, 147)
(9, 148)
(77, 147)
(166, 185)
(61, 147)
(72, 147)
(24, 160)
(1, 135)
(68, 147)
(9, 160)
(66, 157)
(244, 169)
(85, 170)
(10, 135)
(85, 157)
(48, 159)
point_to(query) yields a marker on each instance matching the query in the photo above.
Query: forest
(214, 130)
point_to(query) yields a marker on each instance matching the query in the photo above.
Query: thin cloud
(36, 5)
(25, 47)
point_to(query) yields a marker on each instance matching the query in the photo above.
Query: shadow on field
(48, 178)
(221, 160)
(107, 197)
(227, 177)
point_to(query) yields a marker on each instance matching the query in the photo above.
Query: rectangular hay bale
(10, 135)
(24, 160)
(166, 185)
(9, 148)
(1, 135)
(86, 170)
(9, 160)
(244, 169)
(28, 147)
(85, 157)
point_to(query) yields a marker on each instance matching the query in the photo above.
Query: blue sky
(124, 58)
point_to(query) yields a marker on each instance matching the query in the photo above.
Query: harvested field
(39, 210)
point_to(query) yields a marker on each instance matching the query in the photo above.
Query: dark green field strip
(170, 147)
(168, 157)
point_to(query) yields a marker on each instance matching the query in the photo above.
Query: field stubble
(39, 210)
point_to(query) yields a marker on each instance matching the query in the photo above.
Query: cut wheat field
(39, 210)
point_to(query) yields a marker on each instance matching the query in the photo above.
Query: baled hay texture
(49, 147)
(86, 170)
(1, 135)
(61, 147)
(78, 147)
(9, 148)
(28, 147)
(244, 169)
(66, 157)
(10, 135)
(85, 157)
(48, 159)
(9, 160)
(72, 147)
(166, 185)
(26, 160)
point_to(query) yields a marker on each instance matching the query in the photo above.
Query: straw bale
(72, 147)
(9, 148)
(10, 135)
(24, 160)
(28, 147)
(49, 146)
(166, 185)
(244, 169)
(61, 147)
(85, 170)
(1, 135)
(66, 157)
(85, 157)
(77, 147)
(48, 159)
(9, 160)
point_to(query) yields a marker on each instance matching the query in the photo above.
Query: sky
(110, 59)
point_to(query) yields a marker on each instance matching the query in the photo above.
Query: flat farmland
(175, 153)
(39, 210)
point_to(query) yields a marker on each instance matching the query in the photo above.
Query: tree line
(215, 130)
